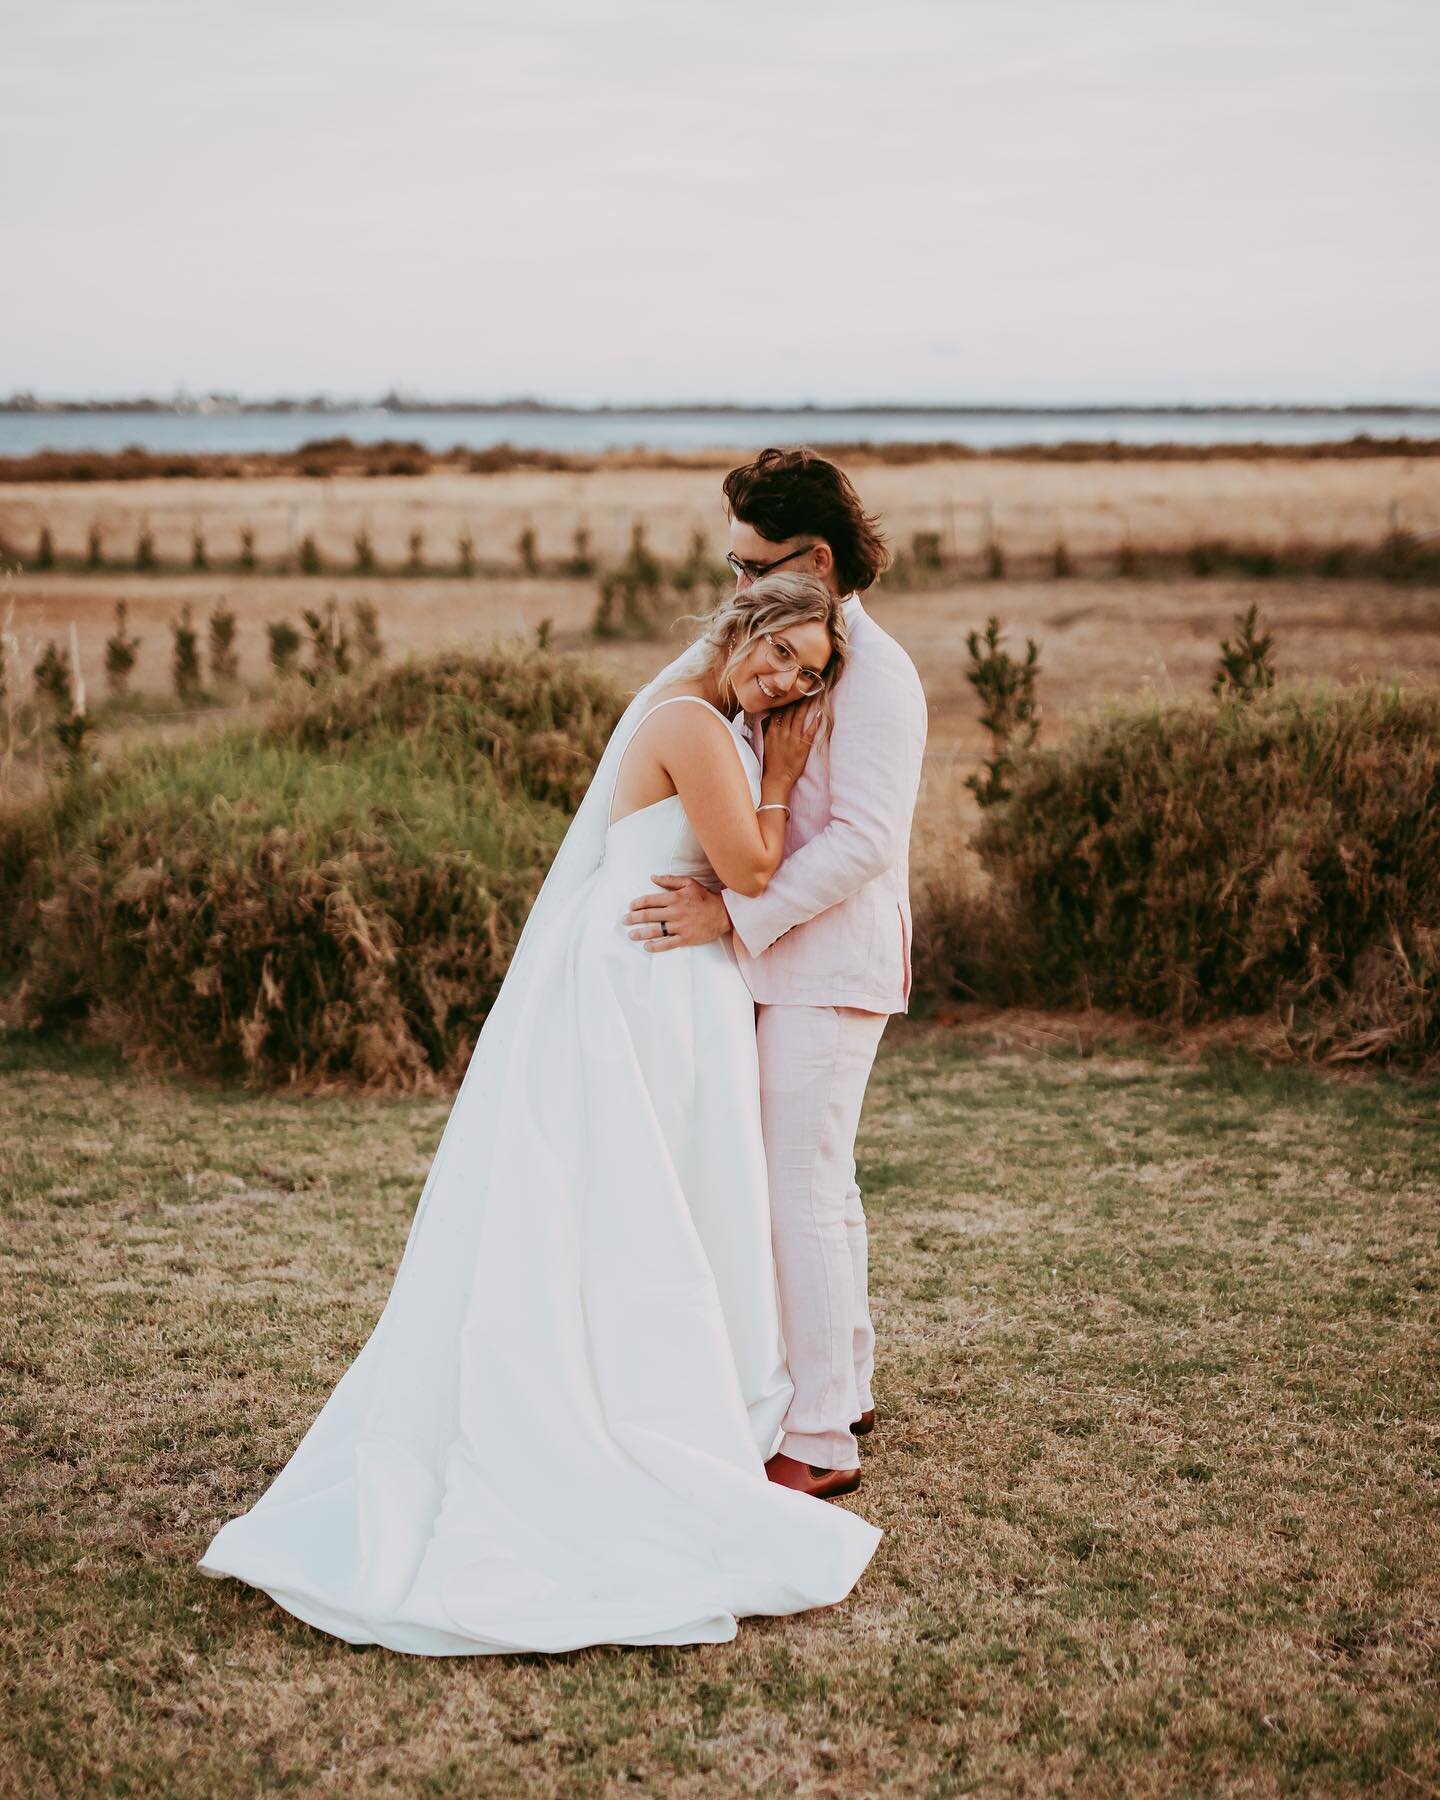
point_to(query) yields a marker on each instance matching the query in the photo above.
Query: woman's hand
(789, 734)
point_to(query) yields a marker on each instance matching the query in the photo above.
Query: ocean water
(581, 432)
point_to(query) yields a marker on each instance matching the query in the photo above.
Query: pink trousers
(814, 1064)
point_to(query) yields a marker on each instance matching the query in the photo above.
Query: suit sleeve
(875, 756)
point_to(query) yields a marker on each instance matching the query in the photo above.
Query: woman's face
(768, 673)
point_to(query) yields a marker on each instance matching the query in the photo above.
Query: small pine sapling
(284, 647)
(185, 659)
(368, 648)
(1246, 666)
(52, 681)
(1011, 712)
(121, 649)
(224, 663)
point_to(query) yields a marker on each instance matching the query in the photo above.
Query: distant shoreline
(323, 406)
(328, 458)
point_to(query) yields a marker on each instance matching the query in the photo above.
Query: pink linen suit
(826, 952)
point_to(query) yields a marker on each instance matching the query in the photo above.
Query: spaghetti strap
(610, 818)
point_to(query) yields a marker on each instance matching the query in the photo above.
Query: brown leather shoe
(865, 1423)
(805, 1478)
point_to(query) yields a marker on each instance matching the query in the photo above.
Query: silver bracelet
(774, 806)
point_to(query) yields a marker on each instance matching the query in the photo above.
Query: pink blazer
(833, 927)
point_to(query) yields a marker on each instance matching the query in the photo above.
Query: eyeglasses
(755, 570)
(807, 682)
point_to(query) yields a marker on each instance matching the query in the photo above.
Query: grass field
(1157, 1463)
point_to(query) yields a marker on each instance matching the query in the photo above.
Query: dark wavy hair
(796, 493)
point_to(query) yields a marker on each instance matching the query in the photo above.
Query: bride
(556, 1433)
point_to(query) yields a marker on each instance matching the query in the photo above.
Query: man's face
(805, 554)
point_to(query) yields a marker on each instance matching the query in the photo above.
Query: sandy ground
(1093, 507)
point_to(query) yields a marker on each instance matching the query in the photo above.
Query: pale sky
(749, 200)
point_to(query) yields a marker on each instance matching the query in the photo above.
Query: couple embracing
(627, 1353)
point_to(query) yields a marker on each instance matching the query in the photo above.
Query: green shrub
(94, 550)
(224, 664)
(965, 945)
(1202, 860)
(465, 553)
(309, 558)
(1011, 712)
(52, 680)
(45, 549)
(633, 594)
(145, 548)
(121, 649)
(247, 547)
(368, 648)
(73, 734)
(329, 644)
(333, 897)
(1247, 665)
(284, 647)
(185, 659)
(582, 562)
(539, 721)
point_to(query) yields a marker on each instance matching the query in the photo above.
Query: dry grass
(1157, 1462)
(1098, 639)
(1093, 507)
(1099, 636)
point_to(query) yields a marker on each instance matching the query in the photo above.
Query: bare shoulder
(699, 716)
(684, 730)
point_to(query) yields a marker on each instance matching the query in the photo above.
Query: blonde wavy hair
(771, 603)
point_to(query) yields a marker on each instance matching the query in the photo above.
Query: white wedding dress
(555, 1435)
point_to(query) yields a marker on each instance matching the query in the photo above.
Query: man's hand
(688, 912)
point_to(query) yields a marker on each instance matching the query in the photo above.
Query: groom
(826, 951)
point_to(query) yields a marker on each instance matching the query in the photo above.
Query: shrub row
(336, 895)
(306, 558)
(1398, 555)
